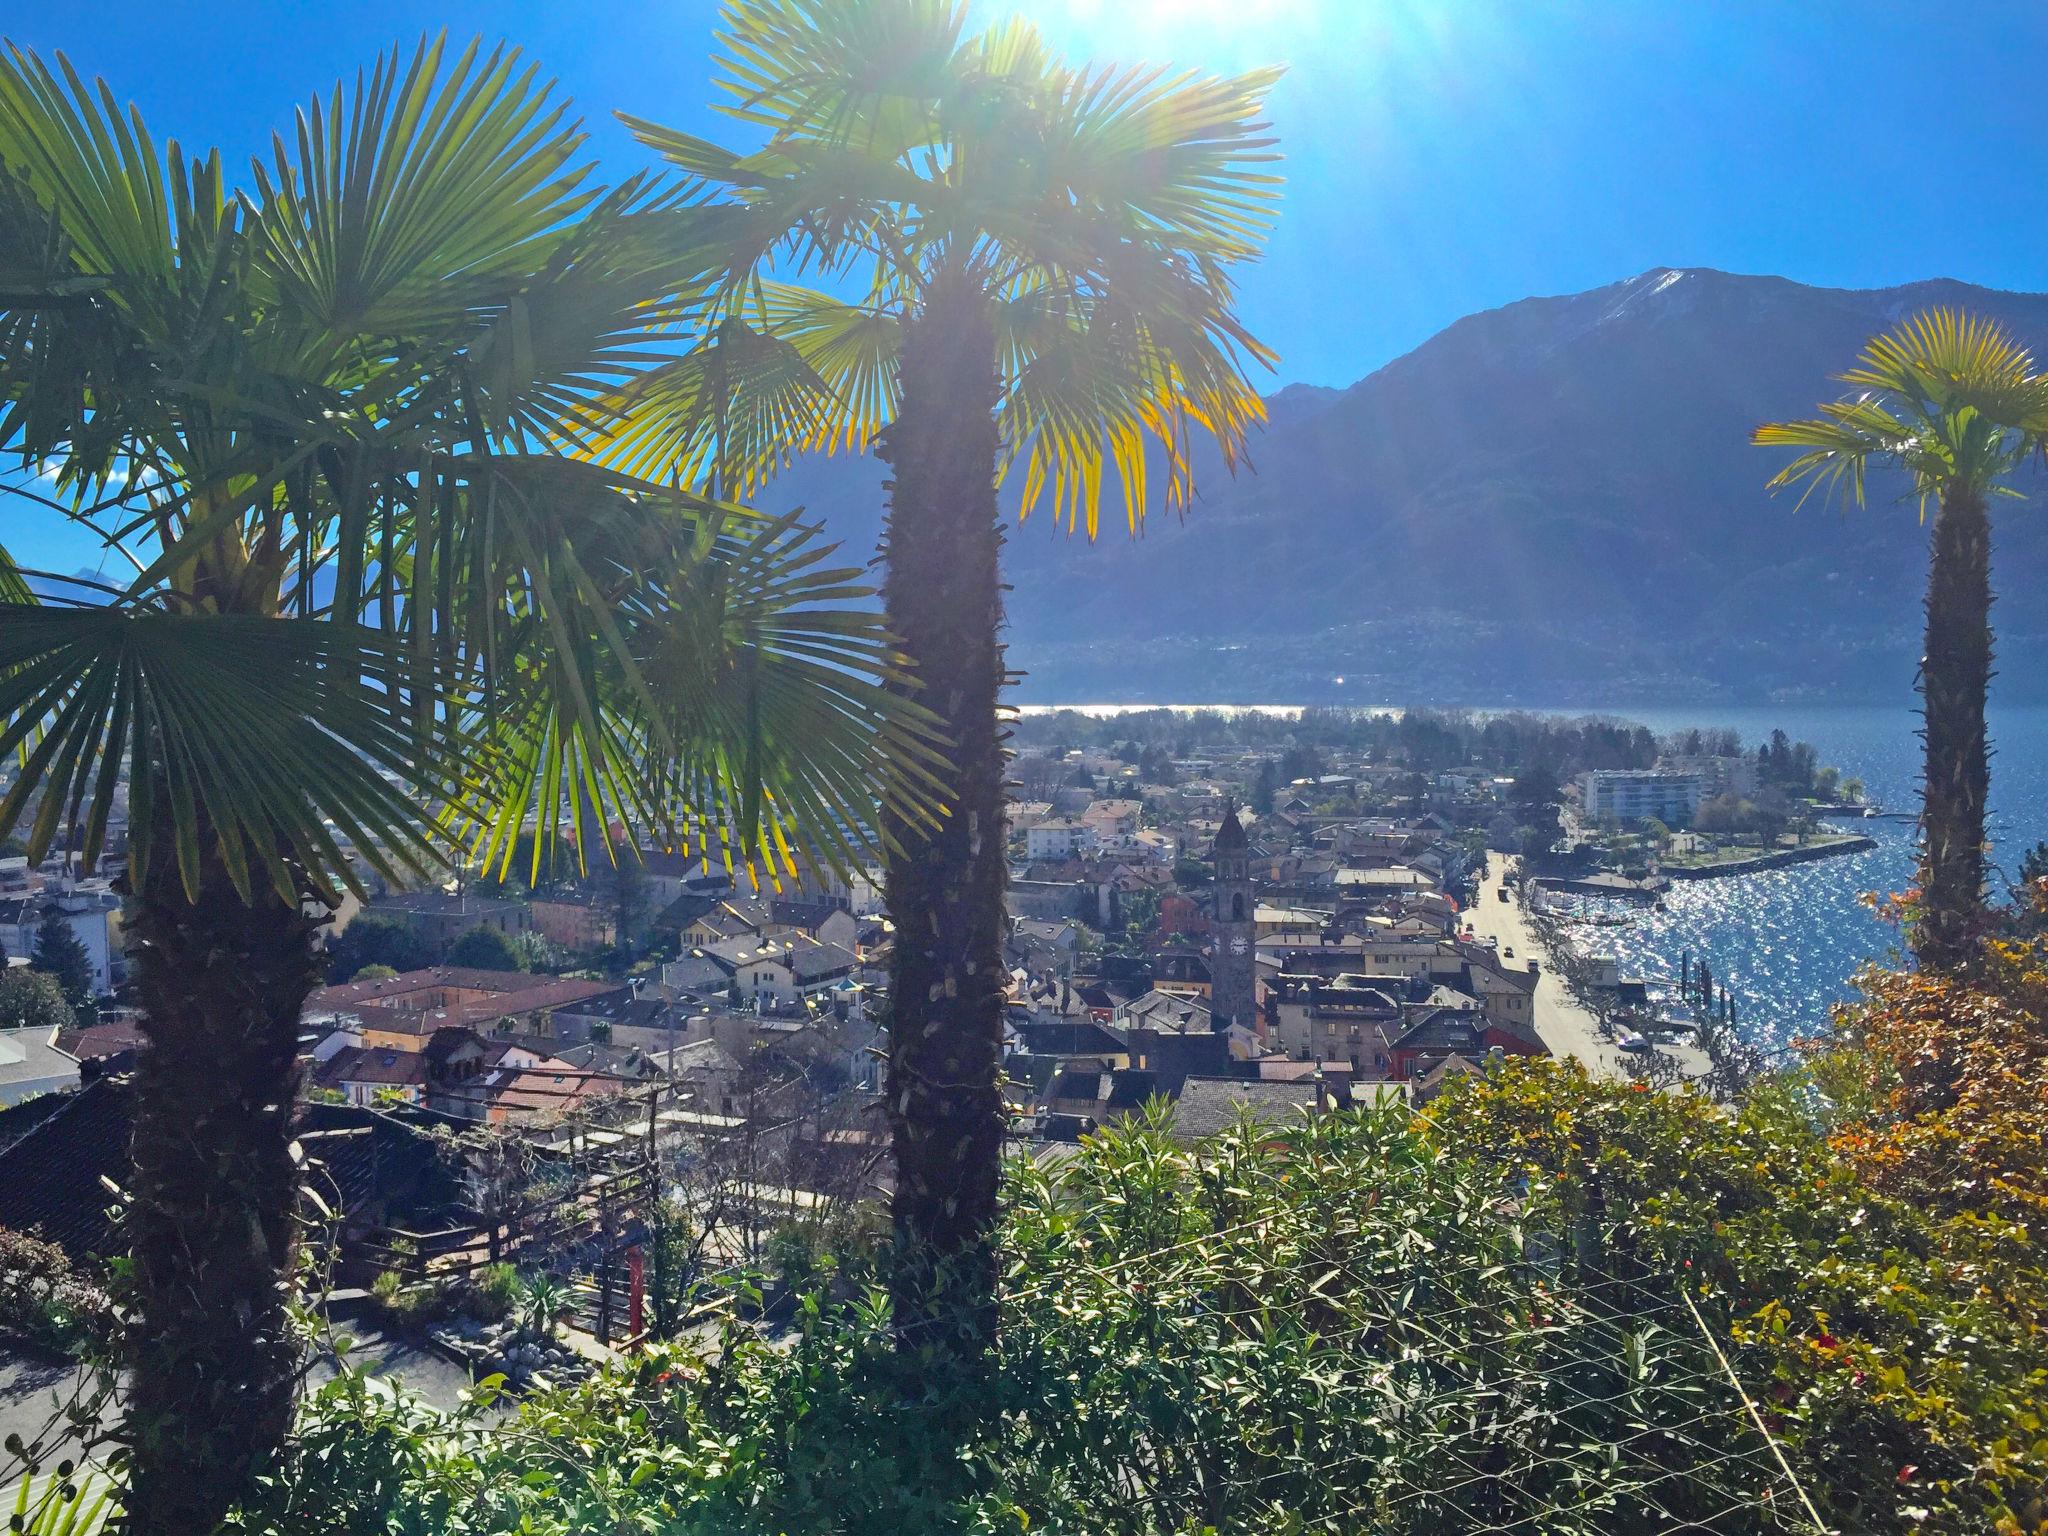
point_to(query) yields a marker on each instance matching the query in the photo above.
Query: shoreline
(1562, 1022)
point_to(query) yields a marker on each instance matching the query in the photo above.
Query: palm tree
(364, 622)
(1954, 402)
(1024, 272)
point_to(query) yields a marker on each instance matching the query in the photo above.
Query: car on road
(1635, 1043)
(1502, 893)
(1507, 954)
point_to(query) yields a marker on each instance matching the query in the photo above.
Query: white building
(1058, 839)
(1628, 794)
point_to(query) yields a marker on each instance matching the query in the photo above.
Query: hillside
(1550, 503)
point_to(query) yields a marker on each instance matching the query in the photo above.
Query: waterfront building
(1631, 794)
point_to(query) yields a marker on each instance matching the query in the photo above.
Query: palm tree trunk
(212, 1224)
(945, 885)
(1955, 677)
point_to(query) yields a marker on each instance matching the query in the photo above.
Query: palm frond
(722, 686)
(413, 181)
(285, 743)
(1947, 397)
(863, 74)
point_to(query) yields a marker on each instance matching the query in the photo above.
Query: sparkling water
(1787, 941)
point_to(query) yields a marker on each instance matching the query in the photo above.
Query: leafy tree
(1954, 402)
(1536, 784)
(374, 973)
(1852, 789)
(1040, 256)
(369, 940)
(485, 948)
(311, 415)
(1264, 788)
(626, 885)
(1300, 762)
(32, 1000)
(58, 951)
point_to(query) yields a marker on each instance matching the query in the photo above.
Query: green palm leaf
(1947, 397)
(288, 742)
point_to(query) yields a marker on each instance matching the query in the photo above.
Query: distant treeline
(1424, 740)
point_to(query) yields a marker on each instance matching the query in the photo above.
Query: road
(1563, 1024)
(34, 1389)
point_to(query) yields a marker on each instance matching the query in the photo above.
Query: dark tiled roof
(98, 1040)
(1085, 1038)
(1208, 1105)
(373, 1064)
(50, 1180)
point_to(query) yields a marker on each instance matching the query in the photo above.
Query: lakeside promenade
(1564, 1024)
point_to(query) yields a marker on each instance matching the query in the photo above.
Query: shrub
(44, 1300)
(494, 1294)
(542, 1303)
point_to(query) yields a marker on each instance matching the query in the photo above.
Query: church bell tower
(1232, 991)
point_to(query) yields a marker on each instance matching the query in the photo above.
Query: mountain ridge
(1549, 502)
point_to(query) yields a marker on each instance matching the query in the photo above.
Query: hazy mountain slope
(1554, 502)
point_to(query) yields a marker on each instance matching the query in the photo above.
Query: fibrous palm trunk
(1955, 678)
(212, 1222)
(945, 883)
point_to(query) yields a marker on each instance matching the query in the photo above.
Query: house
(90, 910)
(1058, 838)
(546, 1090)
(1183, 972)
(1287, 922)
(110, 1044)
(402, 1011)
(1087, 1093)
(1441, 1033)
(1026, 814)
(370, 1075)
(742, 917)
(575, 922)
(1111, 818)
(1046, 948)
(772, 975)
(824, 920)
(1166, 1013)
(1350, 1018)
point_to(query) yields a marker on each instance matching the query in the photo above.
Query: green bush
(1518, 1311)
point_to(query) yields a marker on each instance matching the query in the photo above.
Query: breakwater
(1782, 858)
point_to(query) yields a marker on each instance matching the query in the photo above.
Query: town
(573, 957)
(657, 1044)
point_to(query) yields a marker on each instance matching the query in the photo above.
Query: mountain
(1550, 503)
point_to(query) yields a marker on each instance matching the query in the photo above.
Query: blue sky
(1443, 156)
